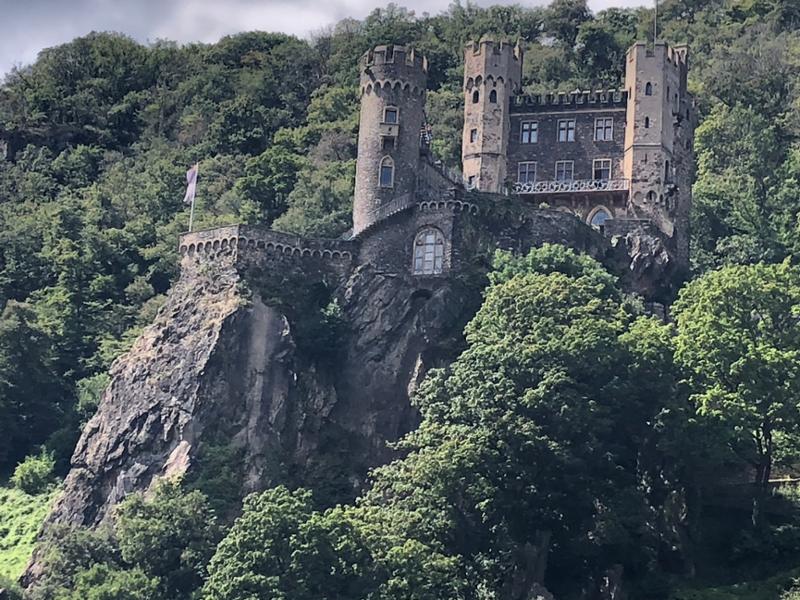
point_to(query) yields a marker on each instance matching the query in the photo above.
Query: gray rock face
(219, 365)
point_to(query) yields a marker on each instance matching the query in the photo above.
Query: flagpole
(191, 215)
(655, 25)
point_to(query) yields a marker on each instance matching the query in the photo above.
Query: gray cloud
(31, 25)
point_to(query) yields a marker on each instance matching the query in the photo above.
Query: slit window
(429, 252)
(529, 132)
(526, 172)
(386, 176)
(647, 122)
(601, 169)
(564, 170)
(473, 135)
(604, 129)
(566, 130)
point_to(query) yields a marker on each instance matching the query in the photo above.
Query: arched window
(428, 252)
(493, 96)
(386, 175)
(648, 89)
(599, 218)
(651, 196)
(476, 96)
(647, 122)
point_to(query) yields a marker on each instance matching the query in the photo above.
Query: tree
(170, 537)
(739, 339)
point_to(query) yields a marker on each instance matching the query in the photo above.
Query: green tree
(170, 537)
(739, 339)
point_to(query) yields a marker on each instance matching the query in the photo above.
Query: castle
(586, 169)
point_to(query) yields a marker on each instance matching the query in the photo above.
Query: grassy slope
(21, 516)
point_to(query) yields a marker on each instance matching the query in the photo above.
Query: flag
(191, 187)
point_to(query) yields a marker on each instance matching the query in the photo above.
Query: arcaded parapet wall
(393, 80)
(244, 245)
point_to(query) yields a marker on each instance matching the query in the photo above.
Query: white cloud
(31, 25)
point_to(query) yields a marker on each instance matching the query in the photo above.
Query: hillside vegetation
(574, 441)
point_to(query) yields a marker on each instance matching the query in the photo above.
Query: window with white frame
(564, 170)
(526, 172)
(566, 130)
(529, 132)
(429, 252)
(604, 129)
(601, 169)
(390, 115)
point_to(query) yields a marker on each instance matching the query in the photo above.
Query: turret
(393, 80)
(659, 160)
(492, 74)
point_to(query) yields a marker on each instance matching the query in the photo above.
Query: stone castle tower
(393, 80)
(492, 75)
(659, 159)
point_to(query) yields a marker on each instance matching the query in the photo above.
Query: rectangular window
(529, 132)
(526, 172)
(566, 130)
(473, 135)
(471, 181)
(390, 115)
(604, 129)
(564, 169)
(602, 169)
(387, 176)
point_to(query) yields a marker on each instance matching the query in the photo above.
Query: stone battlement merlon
(612, 98)
(676, 56)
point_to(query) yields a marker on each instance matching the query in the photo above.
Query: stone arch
(306, 253)
(335, 256)
(251, 243)
(316, 254)
(215, 245)
(598, 216)
(326, 254)
(270, 246)
(224, 244)
(241, 242)
(261, 244)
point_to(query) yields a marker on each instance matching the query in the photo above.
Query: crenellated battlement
(613, 98)
(487, 45)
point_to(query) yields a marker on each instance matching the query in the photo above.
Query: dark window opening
(476, 96)
(648, 89)
(493, 96)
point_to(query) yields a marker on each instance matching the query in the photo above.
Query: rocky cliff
(231, 362)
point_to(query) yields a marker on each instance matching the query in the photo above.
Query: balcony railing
(573, 186)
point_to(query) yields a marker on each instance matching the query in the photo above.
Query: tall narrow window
(647, 122)
(386, 177)
(476, 96)
(429, 252)
(526, 172)
(493, 96)
(648, 89)
(667, 174)
(473, 135)
(564, 170)
(604, 129)
(566, 130)
(601, 169)
(390, 114)
(529, 132)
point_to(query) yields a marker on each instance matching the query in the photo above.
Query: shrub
(34, 474)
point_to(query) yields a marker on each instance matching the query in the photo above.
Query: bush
(34, 474)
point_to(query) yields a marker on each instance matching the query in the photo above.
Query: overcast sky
(31, 25)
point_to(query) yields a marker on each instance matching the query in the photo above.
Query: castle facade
(595, 170)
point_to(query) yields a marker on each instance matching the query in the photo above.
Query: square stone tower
(659, 157)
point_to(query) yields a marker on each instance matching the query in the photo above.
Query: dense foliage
(572, 440)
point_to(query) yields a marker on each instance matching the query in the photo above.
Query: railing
(575, 185)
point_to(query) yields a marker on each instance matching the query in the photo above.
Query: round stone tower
(393, 80)
(492, 73)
